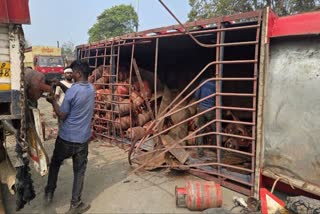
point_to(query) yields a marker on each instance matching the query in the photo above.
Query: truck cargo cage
(145, 83)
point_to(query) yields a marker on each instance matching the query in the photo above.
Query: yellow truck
(45, 59)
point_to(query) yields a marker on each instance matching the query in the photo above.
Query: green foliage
(209, 8)
(116, 21)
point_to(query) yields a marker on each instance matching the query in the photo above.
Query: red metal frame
(104, 127)
(16, 12)
(294, 25)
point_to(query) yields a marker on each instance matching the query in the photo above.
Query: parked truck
(16, 116)
(45, 59)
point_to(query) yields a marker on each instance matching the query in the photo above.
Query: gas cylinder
(123, 123)
(199, 195)
(123, 108)
(136, 133)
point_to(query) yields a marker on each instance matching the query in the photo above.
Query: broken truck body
(16, 116)
(266, 116)
(12, 16)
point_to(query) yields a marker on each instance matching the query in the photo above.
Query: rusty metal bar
(216, 120)
(222, 175)
(179, 33)
(195, 39)
(104, 119)
(96, 57)
(178, 124)
(156, 77)
(255, 75)
(106, 110)
(105, 62)
(118, 63)
(198, 23)
(206, 146)
(124, 44)
(201, 72)
(112, 81)
(218, 98)
(208, 45)
(136, 68)
(130, 88)
(156, 122)
(218, 147)
(207, 97)
(205, 164)
(175, 34)
(221, 134)
(185, 97)
(179, 141)
(99, 126)
(112, 102)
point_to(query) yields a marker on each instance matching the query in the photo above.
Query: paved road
(108, 186)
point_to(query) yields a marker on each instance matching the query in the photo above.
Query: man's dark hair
(82, 67)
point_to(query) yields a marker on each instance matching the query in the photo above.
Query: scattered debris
(126, 181)
(238, 201)
(303, 204)
(180, 153)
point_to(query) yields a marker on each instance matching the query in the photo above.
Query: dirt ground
(109, 186)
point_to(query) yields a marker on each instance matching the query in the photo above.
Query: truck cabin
(48, 61)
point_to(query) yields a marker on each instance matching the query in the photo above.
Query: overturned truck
(264, 118)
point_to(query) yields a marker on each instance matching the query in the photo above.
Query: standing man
(205, 90)
(59, 93)
(75, 114)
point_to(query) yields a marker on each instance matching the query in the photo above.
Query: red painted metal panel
(300, 24)
(16, 11)
(4, 17)
(272, 17)
(46, 70)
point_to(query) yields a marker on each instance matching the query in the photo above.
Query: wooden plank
(136, 69)
(180, 153)
(166, 100)
(263, 66)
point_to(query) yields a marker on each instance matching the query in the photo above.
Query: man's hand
(55, 82)
(50, 99)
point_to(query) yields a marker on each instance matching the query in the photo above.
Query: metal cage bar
(105, 125)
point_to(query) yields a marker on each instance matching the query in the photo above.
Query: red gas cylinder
(199, 195)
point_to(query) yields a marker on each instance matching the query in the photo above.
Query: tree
(67, 49)
(116, 21)
(208, 8)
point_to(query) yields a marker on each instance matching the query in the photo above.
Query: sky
(69, 20)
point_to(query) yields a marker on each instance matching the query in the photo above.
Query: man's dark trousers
(79, 153)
